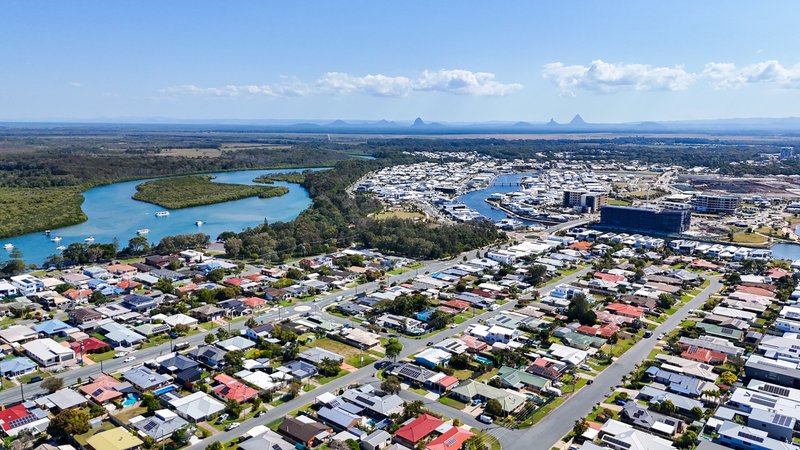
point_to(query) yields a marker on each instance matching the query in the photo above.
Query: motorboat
(8, 246)
(47, 232)
(142, 231)
(61, 248)
(199, 223)
(162, 214)
(89, 239)
(56, 239)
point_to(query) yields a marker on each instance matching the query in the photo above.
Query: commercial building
(644, 219)
(716, 203)
(587, 201)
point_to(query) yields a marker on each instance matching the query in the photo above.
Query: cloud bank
(604, 77)
(450, 81)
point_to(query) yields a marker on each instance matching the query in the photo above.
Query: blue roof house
(14, 367)
(424, 316)
(53, 327)
(138, 303)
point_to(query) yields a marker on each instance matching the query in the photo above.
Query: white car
(129, 359)
(120, 354)
(232, 425)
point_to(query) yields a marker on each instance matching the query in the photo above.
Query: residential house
(232, 389)
(48, 352)
(114, 439)
(211, 356)
(207, 313)
(519, 380)
(650, 421)
(138, 303)
(160, 425)
(17, 334)
(416, 430)
(103, 389)
(315, 355)
(303, 430)
(22, 417)
(470, 390)
(451, 439)
(15, 367)
(61, 400)
(195, 407)
(144, 379)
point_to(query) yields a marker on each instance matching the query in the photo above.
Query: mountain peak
(552, 122)
(418, 122)
(577, 120)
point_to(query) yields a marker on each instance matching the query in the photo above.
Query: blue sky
(442, 60)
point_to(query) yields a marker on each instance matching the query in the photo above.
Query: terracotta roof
(451, 439)
(419, 428)
(581, 245)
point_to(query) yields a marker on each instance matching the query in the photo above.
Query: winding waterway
(112, 213)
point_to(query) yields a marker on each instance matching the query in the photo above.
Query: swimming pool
(165, 389)
(483, 360)
(130, 400)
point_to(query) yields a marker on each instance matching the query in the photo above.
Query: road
(559, 422)
(367, 375)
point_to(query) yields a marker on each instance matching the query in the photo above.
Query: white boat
(142, 231)
(56, 239)
(61, 248)
(199, 222)
(47, 232)
(162, 214)
(8, 246)
(89, 239)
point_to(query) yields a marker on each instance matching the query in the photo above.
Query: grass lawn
(81, 438)
(7, 384)
(324, 380)
(357, 362)
(155, 340)
(399, 215)
(208, 326)
(24, 379)
(622, 346)
(97, 357)
(749, 238)
(453, 403)
(487, 375)
(422, 392)
(463, 374)
(541, 412)
(130, 413)
(618, 202)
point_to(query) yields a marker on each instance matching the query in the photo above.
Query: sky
(455, 61)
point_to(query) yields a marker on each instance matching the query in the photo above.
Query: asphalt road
(559, 422)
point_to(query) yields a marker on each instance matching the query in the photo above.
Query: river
(112, 213)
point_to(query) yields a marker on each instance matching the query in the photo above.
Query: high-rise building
(587, 201)
(645, 219)
(716, 203)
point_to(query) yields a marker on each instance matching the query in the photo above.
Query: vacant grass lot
(196, 190)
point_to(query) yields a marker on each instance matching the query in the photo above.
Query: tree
(493, 408)
(181, 328)
(137, 246)
(393, 348)
(151, 402)
(181, 436)
(215, 275)
(216, 445)
(13, 267)
(210, 338)
(687, 439)
(234, 408)
(234, 360)
(329, 367)
(413, 409)
(474, 443)
(290, 351)
(580, 427)
(52, 384)
(665, 301)
(579, 309)
(440, 319)
(728, 378)
(391, 385)
(69, 422)
(164, 285)
(294, 389)
(536, 274)
(98, 298)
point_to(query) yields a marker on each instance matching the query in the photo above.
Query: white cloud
(75, 84)
(457, 81)
(729, 76)
(463, 82)
(380, 85)
(604, 77)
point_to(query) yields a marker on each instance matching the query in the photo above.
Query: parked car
(648, 333)
(586, 367)
(222, 418)
(476, 402)
(129, 359)
(35, 379)
(429, 344)
(661, 336)
(120, 354)
(232, 426)
(485, 419)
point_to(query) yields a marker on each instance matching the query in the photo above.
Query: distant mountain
(577, 121)
(552, 123)
(523, 124)
(339, 123)
(418, 122)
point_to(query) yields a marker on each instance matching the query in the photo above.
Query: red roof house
(417, 430)
(622, 309)
(459, 305)
(777, 272)
(610, 277)
(451, 439)
(16, 417)
(89, 345)
(231, 389)
(255, 302)
(703, 264)
(704, 355)
(755, 291)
